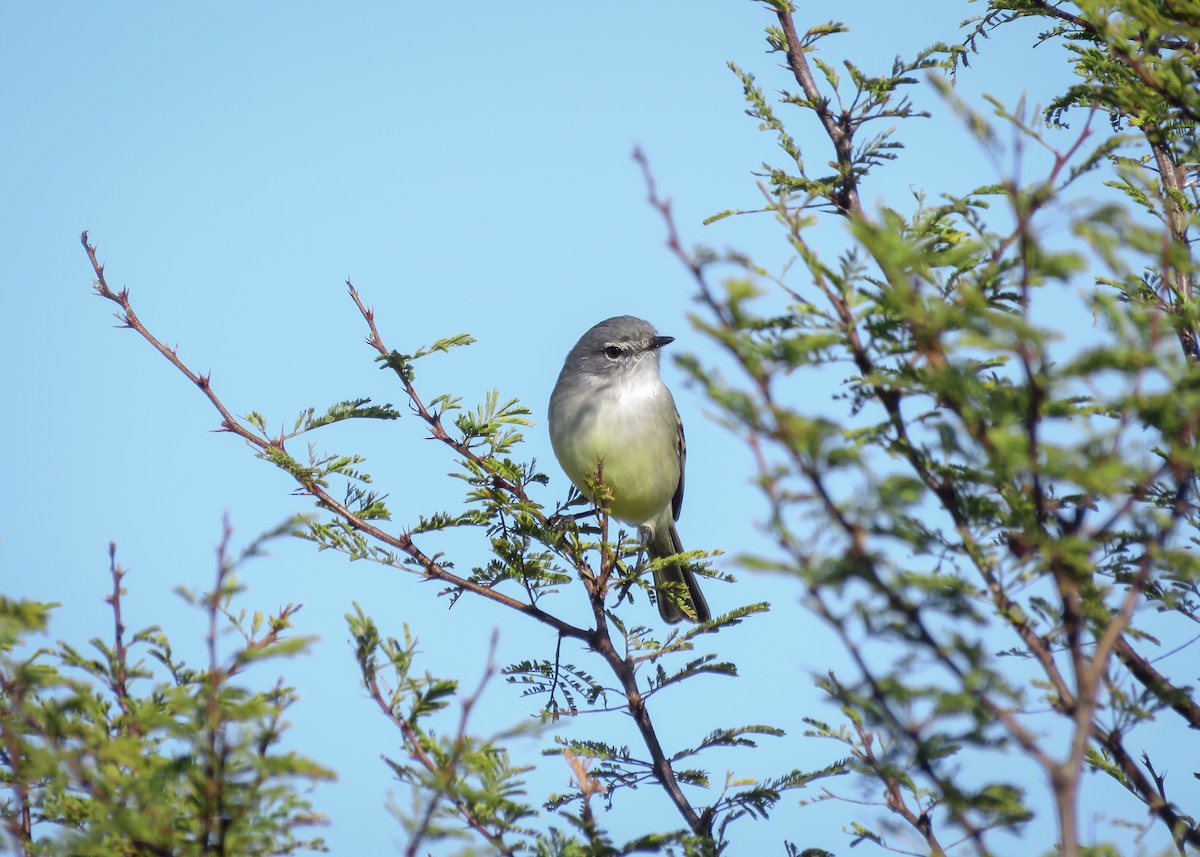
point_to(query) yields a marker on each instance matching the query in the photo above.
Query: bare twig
(120, 667)
(837, 127)
(402, 542)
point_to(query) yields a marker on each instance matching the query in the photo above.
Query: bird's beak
(659, 341)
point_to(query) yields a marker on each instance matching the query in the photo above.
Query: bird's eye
(612, 352)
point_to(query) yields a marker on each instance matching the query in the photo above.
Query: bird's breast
(631, 437)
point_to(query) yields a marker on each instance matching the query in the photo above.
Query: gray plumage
(610, 409)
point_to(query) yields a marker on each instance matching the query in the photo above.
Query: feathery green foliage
(123, 749)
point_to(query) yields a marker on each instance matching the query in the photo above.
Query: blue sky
(468, 166)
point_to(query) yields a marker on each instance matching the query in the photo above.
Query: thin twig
(402, 542)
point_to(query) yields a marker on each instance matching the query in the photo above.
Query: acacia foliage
(995, 513)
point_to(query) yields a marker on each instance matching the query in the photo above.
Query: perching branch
(597, 639)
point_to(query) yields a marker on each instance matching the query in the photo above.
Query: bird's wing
(681, 448)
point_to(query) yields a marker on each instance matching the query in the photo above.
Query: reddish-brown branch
(417, 753)
(946, 492)
(401, 542)
(1180, 828)
(894, 794)
(120, 666)
(837, 128)
(599, 639)
(626, 673)
(433, 420)
(1157, 683)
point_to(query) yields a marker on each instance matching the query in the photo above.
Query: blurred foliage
(996, 513)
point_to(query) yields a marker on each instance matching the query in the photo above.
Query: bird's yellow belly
(638, 461)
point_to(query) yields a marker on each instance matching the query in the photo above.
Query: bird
(610, 412)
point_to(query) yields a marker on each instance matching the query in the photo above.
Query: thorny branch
(447, 772)
(837, 127)
(402, 542)
(597, 639)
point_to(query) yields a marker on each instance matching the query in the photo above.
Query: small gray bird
(611, 409)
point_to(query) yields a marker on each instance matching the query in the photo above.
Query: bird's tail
(675, 584)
